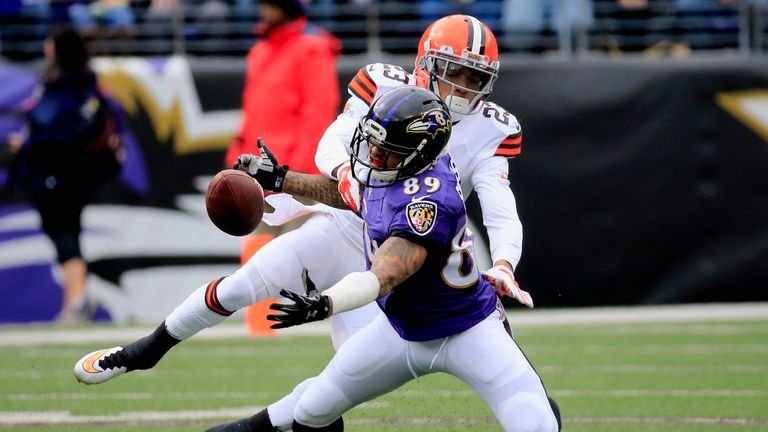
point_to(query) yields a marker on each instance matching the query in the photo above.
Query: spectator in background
(291, 95)
(291, 90)
(198, 10)
(69, 116)
(487, 11)
(563, 17)
(719, 19)
(113, 18)
(632, 29)
(17, 10)
(161, 10)
(211, 10)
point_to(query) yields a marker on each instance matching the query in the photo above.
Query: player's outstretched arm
(277, 178)
(315, 187)
(396, 260)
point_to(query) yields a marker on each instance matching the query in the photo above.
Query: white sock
(191, 316)
(214, 302)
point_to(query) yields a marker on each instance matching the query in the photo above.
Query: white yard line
(631, 314)
(64, 418)
(719, 393)
(46, 334)
(33, 335)
(627, 393)
(48, 418)
(666, 420)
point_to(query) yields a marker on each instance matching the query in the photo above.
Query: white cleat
(89, 371)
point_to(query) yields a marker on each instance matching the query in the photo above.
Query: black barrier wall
(642, 183)
(639, 182)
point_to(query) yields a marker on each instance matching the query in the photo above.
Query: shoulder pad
(377, 78)
(507, 126)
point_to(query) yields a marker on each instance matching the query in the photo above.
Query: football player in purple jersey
(440, 315)
(458, 60)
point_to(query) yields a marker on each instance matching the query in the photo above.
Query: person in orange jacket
(291, 91)
(291, 96)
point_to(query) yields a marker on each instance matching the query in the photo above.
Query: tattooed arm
(396, 260)
(274, 177)
(315, 187)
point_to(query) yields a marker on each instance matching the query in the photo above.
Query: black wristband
(280, 173)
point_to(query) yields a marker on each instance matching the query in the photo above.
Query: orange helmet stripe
(475, 35)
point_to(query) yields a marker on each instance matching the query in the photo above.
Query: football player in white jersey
(457, 59)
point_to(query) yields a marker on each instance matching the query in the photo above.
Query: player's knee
(527, 412)
(238, 291)
(315, 415)
(302, 386)
(320, 406)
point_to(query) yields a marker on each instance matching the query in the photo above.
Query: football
(235, 202)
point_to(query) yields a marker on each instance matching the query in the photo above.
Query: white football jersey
(480, 145)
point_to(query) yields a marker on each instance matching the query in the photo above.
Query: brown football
(235, 202)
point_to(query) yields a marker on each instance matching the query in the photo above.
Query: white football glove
(350, 189)
(504, 283)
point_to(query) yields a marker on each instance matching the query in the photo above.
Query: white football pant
(328, 245)
(376, 361)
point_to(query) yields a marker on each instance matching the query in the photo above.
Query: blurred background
(372, 28)
(642, 180)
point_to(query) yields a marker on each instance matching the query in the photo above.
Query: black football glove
(304, 309)
(265, 168)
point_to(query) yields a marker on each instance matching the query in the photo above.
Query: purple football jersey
(447, 295)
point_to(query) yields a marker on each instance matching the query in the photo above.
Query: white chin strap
(458, 104)
(383, 176)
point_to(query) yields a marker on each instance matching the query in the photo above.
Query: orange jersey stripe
(212, 300)
(507, 152)
(363, 86)
(511, 146)
(511, 140)
(366, 80)
(358, 91)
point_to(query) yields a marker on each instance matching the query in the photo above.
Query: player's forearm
(395, 261)
(314, 187)
(497, 202)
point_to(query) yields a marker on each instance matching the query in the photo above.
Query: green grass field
(695, 376)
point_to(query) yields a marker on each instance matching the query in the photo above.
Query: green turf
(608, 377)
